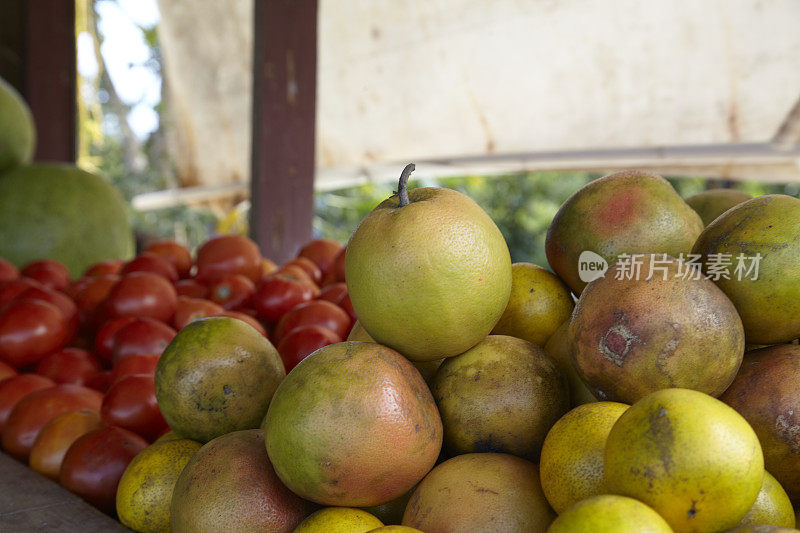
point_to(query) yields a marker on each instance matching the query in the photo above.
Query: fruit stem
(402, 187)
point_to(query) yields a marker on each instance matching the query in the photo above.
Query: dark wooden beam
(284, 112)
(38, 57)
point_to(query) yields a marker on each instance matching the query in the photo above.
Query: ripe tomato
(103, 268)
(76, 286)
(297, 272)
(309, 266)
(334, 293)
(37, 408)
(336, 273)
(69, 365)
(314, 313)
(142, 336)
(142, 294)
(190, 309)
(60, 300)
(134, 365)
(228, 254)
(7, 270)
(104, 340)
(232, 291)
(278, 294)
(9, 290)
(151, 263)
(6, 371)
(51, 274)
(100, 381)
(15, 388)
(302, 342)
(89, 300)
(131, 403)
(347, 305)
(244, 317)
(29, 330)
(337, 293)
(94, 464)
(57, 436)
(323, 252)
(175, 253)
(191, 288)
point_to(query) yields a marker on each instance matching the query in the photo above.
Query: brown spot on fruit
(616, 343)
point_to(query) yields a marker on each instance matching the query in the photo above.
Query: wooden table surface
(31, 502)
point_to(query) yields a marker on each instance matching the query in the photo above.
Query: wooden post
(38, 57)
(284, 107)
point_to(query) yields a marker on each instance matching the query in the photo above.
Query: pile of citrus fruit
(648, 382)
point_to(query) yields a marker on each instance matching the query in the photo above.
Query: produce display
(414, 379)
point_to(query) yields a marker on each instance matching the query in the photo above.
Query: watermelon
(60, 212)
(17, 133)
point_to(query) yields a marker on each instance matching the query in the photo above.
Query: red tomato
(57, 436)
(347, 305)
(297, 272)
(76, 286)
(133, 365)
(37, 408)
(278, 294)
(191, 288)
(104, 340)
(323, 252)
(103, 268)
(302, 342)
(100, 381)
(60, 300)
(334, 293)
(309, 266)
(142, 336)
(69, 365)
(244, 317)
(314, 313)
(15, 388)
(7, 270)
(176, 254)
(228, 254)
(142, 294)
(232, 291)
(336, 273)
(51, 274)
(151, 263)
(94, 464)
(29, 330)
(9, 290)
(190, 309)
(131, 403)
(6, 371)
(89, 299)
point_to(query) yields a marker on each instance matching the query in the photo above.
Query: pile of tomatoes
(77, 357)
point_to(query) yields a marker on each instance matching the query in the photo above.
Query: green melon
(57, 211)
(17, 134)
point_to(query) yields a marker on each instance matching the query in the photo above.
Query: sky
(125, 52)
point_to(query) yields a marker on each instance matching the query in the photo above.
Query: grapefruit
(571, 466)
(610, 514)
(353, 425)
(216, 376)
(17, 132)
(429, 272)
(687, 455)
(63, 213)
